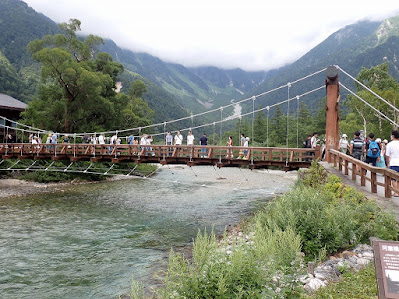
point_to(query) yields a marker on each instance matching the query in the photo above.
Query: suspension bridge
(221, 156)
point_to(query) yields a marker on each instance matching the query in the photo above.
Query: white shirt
(143, 141)
(392, 152)
(179, 139)
(313, 141)
(113, 139)
(190, 139)
(101, 139)
(343, 143)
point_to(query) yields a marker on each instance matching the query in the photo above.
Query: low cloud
(252, 35)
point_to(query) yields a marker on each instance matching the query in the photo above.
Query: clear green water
(91, 240)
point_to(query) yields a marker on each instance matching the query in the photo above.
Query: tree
(379, 81)
(78, 85)
(137, 111)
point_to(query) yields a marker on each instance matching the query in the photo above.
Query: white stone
(304, 279)
(368, 255)
(362, 261)
(321, 276)
(315, 283)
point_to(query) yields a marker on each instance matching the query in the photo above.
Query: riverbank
(18, 187)
(268, 257)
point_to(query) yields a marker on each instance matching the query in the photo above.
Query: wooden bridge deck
(220, 156)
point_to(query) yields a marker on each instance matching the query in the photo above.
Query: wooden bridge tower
(332, 134)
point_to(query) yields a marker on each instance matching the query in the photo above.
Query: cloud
(252, 35)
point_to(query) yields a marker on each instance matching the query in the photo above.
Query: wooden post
(362, 177)
(373, 182)
(387, 186)
(332, 134)
(354, 171)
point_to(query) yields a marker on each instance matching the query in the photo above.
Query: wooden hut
(10, 108)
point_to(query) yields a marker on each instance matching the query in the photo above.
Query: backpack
(307, 143)
(374, 149)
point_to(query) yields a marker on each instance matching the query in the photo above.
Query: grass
(354, 285)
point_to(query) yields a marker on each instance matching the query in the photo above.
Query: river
(91, 240)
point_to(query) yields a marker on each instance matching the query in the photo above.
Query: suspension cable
(267, 126)
(297, 122)
(288, 119)
(369, 89)
(190, 116)
(379, 112)
(222, 120)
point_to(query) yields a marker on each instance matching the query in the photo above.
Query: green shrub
(326, 221)
(258, 268)
(315, 176)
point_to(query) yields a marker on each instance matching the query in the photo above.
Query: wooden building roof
(9, 103)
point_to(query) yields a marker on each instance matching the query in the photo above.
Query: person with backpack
(356, 147)
(373, 150)
(308, 144)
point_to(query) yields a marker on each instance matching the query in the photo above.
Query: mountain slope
(197, 89)
(364, 44)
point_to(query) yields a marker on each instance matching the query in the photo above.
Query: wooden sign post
(386, 260)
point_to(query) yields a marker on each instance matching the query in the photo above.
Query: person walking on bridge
(313, 142)
(178, 141)
(178, 138)
(169, 141)
(190, 138)
(343, 144)
(392, 157)
(356, 148)
(203, 141)
(373, 150)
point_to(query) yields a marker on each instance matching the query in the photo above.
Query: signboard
(386, 260)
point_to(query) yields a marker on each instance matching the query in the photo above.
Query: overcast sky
(250, 34)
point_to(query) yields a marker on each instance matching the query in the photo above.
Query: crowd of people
(372, 150)
(145, 141)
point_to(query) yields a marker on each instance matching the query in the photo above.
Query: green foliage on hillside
(19, 24)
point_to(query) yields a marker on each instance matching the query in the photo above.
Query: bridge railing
(64, 150)
(359, 168)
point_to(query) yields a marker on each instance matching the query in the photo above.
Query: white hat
(247, 138)
(385, 141)
(378, 140)
(344, 135)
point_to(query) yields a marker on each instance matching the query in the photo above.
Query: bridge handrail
(76, 151)
(342, 161)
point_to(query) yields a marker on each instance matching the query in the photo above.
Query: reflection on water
(89, 241)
